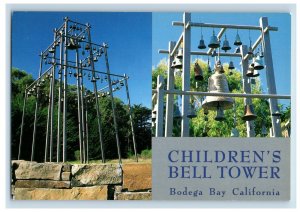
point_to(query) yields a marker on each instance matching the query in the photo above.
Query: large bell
(214, 42)
(177, 64)
(217, 83)
(220, 114)
(231, 66)
(258, 63)
(237, 41)
(180, 53)
(249, 113)
(176, 114)
(226, 46)
(250, 70)
(198, 72)
(201, 43)
(234, 132)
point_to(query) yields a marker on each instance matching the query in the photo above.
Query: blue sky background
(163, 32)
(127, 34)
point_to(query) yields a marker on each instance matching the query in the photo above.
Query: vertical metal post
(112, 102)
(48, 120)
(36, 109)
(131, 118)
(185, 122)
(65, 92)
(83, 105)
(81, 146)
(22, 123)
(96, 94)
(170, 97)
(246, 88)
(87, 132)
(160, 107)
(271, 84)
(59, 98)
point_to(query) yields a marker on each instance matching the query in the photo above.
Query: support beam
(222, 54)
(247, 89)
(271, 84)
(170, 97)
(160, 107)
(185, 121)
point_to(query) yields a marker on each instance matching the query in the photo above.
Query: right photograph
(221, 106)
(221, 75)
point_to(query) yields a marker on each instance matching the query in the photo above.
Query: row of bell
(215, 43)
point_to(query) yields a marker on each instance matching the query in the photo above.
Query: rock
(66, 176)
(133, 196)
(66, 168)
(76, 193)
(42, 184)
(33, 170)
(137, 177)
(95, 174)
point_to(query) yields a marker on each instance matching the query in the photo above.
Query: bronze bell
(234, 132)
(231, 66)
(214, 42)
(87, 47)
(226, 46)
(72, 44)
(180, 53)
(250, 71)
(201, 43)
(255, 73)
(258, 63)
(237, 41)
(177, 114)
(178, 63)
(198, 72)
(217, 83)
(249, 113)
(220, 114)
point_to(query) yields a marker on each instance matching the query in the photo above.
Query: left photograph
(81, 105)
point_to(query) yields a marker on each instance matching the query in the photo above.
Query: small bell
(97, 77)
(220, 114)
(231, 66)
(249, 113)
(122, 83)
(180, 53)
(93, 79)
(87, 47)
(226, 46)
(95, 59)
(234, 132)
(258, 64)
(250, 71)
(177, 64)
(52, 49)
(255, 73)
(198, 72)
(237, 41)
(214, 43)
(201, 43)
(276, 113)
(72, 44)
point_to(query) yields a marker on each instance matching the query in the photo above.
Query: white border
(156, 5)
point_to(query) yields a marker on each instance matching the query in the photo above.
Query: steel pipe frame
(22, 124)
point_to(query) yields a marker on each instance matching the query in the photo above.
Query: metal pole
(81, 147)
(96, 96)
(131, 118)
(36, 109)
(22, 123)
(65, 94)
(270, 76)
(185, 128)
(170, 97)
(160, 107)
(87, 132)
(112, 104)
(48, 120)
(84, 138)
(59, 99)
(247, 89)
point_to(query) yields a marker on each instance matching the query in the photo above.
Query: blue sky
(163, 32)
(127, 34)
